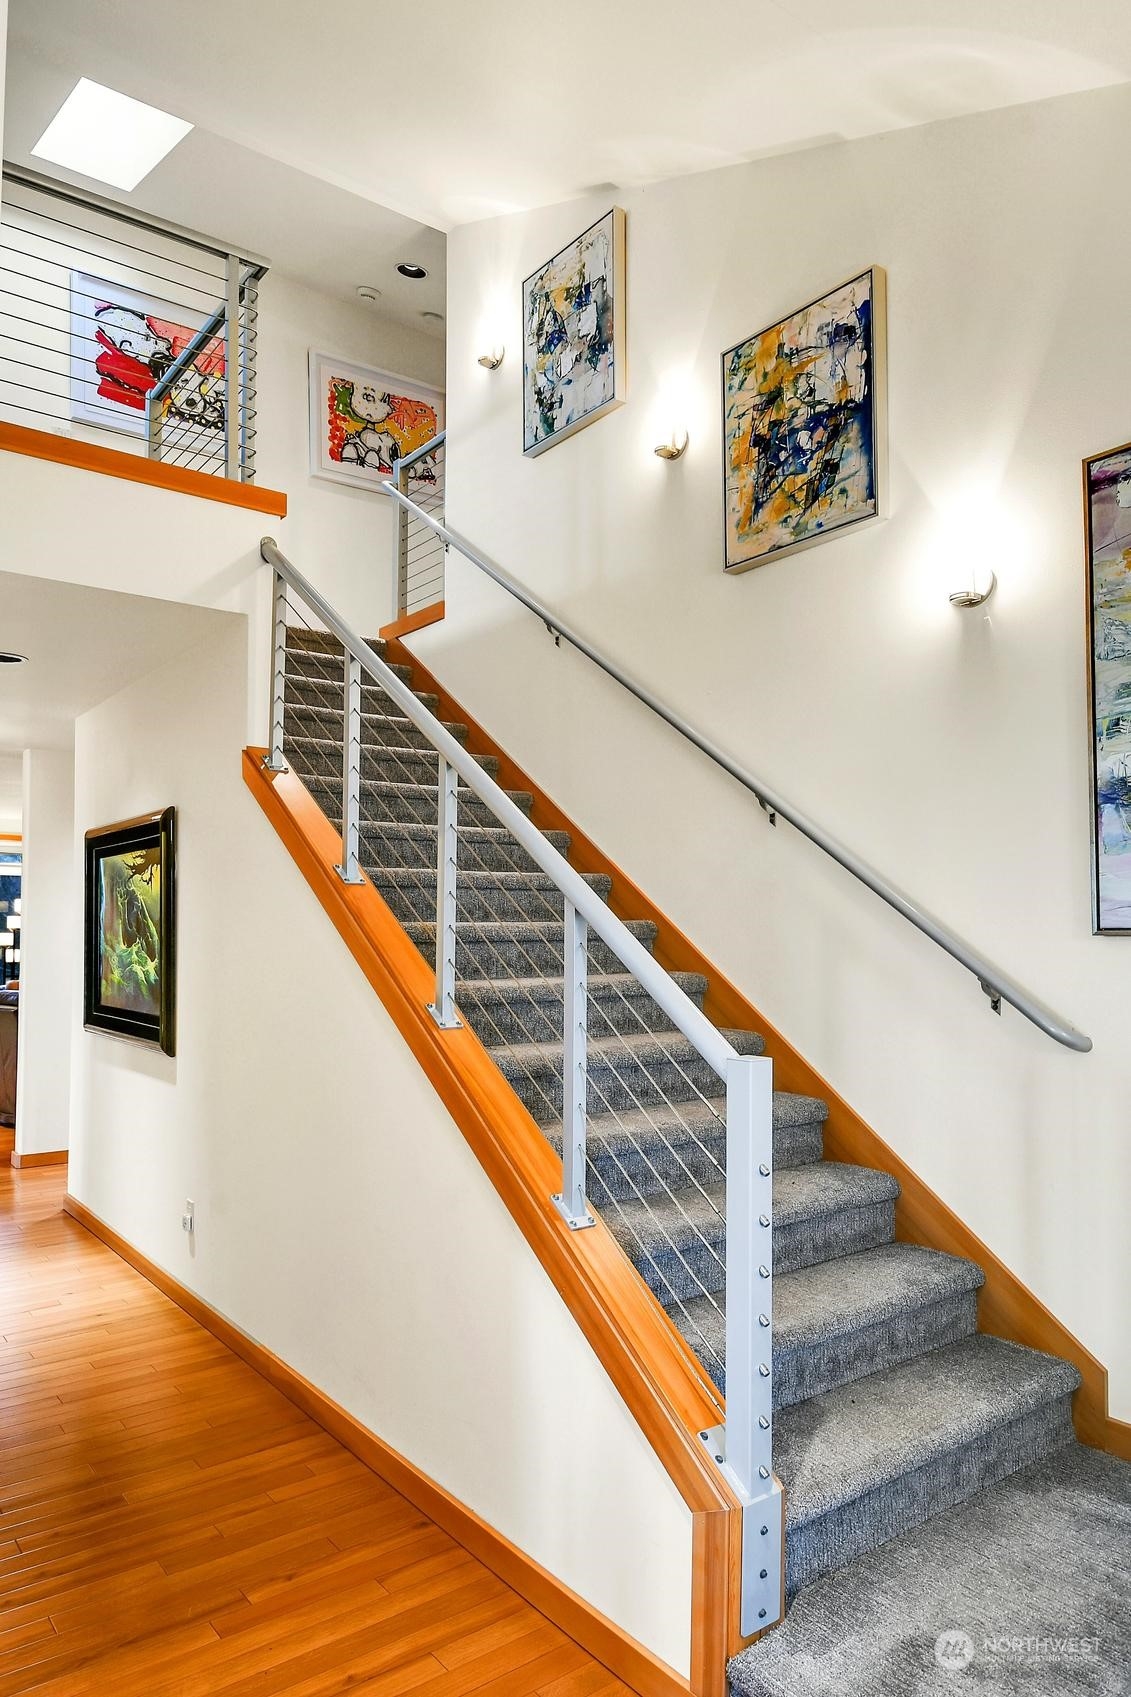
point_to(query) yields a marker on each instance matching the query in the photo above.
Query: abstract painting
(802, 425)
(573, 336)
(130, 923)
(363, 421)
(1107, 523)
(122, 344)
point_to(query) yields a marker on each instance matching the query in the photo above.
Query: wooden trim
(41, 1158)
(1006, 1307)
(414, 621)
(624, 1655)
(661, 1380)
(112, 462)
(11, 837)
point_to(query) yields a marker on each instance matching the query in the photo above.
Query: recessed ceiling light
(436, 317)
(108, 136)
(408, 269)
(12, 659)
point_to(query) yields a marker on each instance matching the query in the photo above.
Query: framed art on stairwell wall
(130, 924)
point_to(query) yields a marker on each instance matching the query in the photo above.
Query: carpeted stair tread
(300, 687)
(831, 1450)
(324, 754)
(418, 796)
(372, 724)
(301, 639)
(840, 1320)
(678, 1242)
(517, 1010)
(1033, 1570)
(495, 948)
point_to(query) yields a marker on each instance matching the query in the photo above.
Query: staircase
(891, 1405)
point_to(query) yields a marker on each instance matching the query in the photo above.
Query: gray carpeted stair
(892, 1407)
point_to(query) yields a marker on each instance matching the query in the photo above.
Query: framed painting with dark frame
(1107, 532)
(130, 930)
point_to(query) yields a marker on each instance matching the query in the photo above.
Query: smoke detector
(366, 292)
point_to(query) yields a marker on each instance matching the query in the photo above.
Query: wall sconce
(674, 449)
(492, 361)
(979, 589)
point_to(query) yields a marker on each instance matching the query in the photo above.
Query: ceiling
(458, 111)
(68, 671)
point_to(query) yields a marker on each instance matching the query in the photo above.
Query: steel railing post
(575, 1070)
(443, 1009)
(232, 368)
(348, 870)
(748, 1439)
(275, 761)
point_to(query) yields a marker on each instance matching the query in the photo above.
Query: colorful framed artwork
(1107, 529)
(122, 343)
(573, 336)
(804, 431)
(129, 977)
(363, 421)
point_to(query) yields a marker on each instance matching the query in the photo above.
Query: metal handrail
(680, 1009)
(996, 985)
(743, 1445)
(423, 451)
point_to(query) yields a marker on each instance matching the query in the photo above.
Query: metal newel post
(400, 550)
(575, 1071)
(349, 871)
(232, 368)
(275, 761)
(749, 1333)
(443, 1009)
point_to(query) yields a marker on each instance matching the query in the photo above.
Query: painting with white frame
(121, 342)
(363, 420)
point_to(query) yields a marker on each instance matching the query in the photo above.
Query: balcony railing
(123, 329)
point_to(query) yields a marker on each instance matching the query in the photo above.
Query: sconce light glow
(980, 587)
(674, 448)
(109, 136)
(492, 360)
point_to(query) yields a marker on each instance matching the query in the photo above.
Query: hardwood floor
(171, 1525)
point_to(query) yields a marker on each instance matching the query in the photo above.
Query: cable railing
(418, 551)
(996, 985)
(125, 329)
(664, 1124)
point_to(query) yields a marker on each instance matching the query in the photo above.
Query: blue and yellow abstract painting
(573, 335)
(801, 424)
(1108, 500)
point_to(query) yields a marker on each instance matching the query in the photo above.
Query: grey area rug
(1025, 1591)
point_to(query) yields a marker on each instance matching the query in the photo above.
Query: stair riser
(695, 1264)
(478, 905)
(804, 1243)
(537, 1017)
(533, 952)
(313, 692)
(654, 1164)
(377, 730)
(810, 1371)
(617, 1084)
(835, 1539)
(330, 668)
(412, 806)
(380, 763)
(406, 848)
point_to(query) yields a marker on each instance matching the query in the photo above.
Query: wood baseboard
(112, 462)
(627, 1658)
(414, 621)
(41, 1158)
(1006, 1307)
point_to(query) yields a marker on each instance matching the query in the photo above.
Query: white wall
(342, 538)
(950, 749)
(50, 951)
(334, 1195)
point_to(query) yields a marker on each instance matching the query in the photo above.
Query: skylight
(108, 136)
